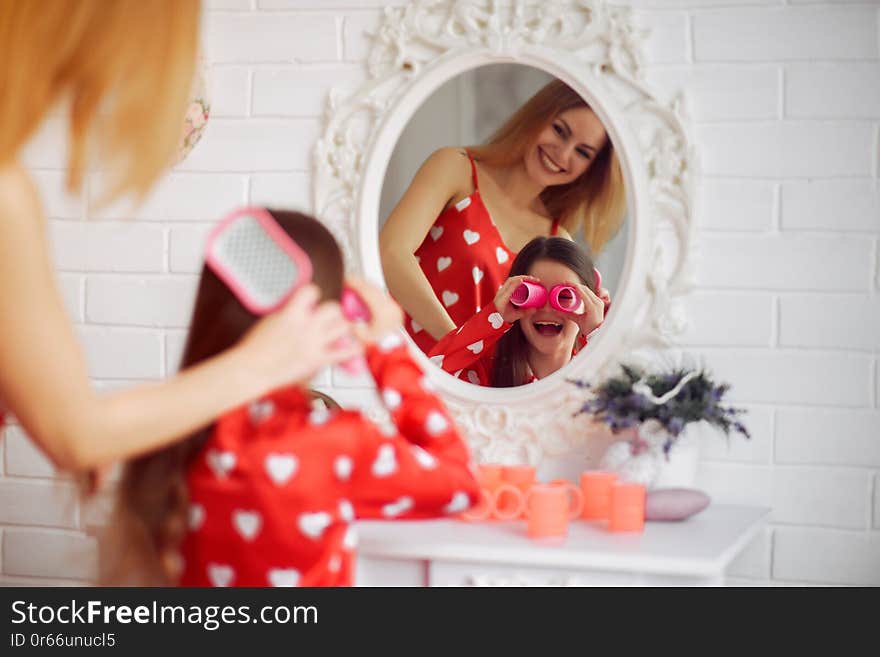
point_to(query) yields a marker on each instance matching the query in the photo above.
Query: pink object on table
(521, 476)
(627, 508)
(674, 504)
(490, 475)
(596, 487)
(508, 502)
(529, 294)
(548, 509)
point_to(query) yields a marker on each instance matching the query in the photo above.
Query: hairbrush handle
(355, 310)
(529, 294)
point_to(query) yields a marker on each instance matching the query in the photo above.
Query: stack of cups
(605, 498)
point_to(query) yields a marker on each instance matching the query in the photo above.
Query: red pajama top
(276, 487)
(464, 259)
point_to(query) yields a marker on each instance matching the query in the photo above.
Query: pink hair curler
(565, 298)
(598, 279)
(257, 260)
(529, 295)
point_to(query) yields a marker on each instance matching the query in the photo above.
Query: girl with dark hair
(505, 346)
(266, 495)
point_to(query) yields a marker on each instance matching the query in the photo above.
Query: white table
(695, 552)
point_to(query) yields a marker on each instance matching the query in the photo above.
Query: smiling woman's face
(550, 331)
(566, 147)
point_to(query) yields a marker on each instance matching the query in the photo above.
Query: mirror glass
(503, 226)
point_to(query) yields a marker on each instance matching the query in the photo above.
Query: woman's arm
(43, 376)
(443, 176)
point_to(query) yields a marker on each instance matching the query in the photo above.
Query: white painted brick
(187, 248)
(667, 41)
(131, 301)
(263, 145)
(182, 197)
(830, 556)
(715, 446)
(786, 34)
(301, 91)
(723, 93)
(122, 353)
(24, 458)
(785, 262)
(754, 561)
(47, 149)
(71, 287)
(813, 320)
(729, 319)
(41, 503)
(97, 510)
(793, 377)
(288, 191)
(787, 149)
(49, 554)
(822, 496)
(688, 4)
(839, 205)
(329, 4)
(735, 205)
(828, 437)
(57, 203)
(726, 483)
(117, 247)
(304, 37)
(357, 29)
(230, 5)
(820, 90)
(228, 91)
(175, 341)
(877, 501)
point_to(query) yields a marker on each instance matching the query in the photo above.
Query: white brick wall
(785, 97)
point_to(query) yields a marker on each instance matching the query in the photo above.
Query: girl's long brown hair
(511, 365)
(150, 517)
(596, 201)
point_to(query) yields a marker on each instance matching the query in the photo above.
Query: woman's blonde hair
(125, 66)
(595, 201)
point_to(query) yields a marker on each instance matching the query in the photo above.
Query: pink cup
(596, 487)
(521, 476)
(549, 508)
(627, 508)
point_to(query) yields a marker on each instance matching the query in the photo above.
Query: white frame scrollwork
(596, 49)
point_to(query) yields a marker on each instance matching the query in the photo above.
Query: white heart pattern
(343, 466)
(463, 203)
(437, 360)
(436, 423)
(476, 347)
(425, 459)
(283, 577)
(220, 462)
(471, 237)
(478, 275)
(281, 467)
(394, 509)
(443, 263)
(449, 298)
(390, 341)
(334, 564)
(314, 524)
(196, 516)
(473, 377)
(416, 327)
(259, 411)
(385, 464)
(350, 540)
(460, 502)
(346, 511)
(391, 398)
(436, 232)
(496, 320)
(501, 255)
(319, 416)
(247, 523)
(220, 575)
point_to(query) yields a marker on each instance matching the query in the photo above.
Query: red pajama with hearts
(464, 259)
(275, 489)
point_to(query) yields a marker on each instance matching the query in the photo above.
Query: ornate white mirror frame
(596, 49)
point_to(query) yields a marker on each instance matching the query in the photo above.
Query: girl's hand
(593, 312)
(509, 312)
(605, 295)
(385, 315)
(303, 337)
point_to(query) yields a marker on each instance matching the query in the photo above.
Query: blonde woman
(449, 243)
(123, 69)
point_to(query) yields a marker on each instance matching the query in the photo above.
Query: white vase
(679, 470)
(651, 466)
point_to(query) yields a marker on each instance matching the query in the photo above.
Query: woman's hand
(298, 340)
(593, 311)
(509, 312)
(385, 315)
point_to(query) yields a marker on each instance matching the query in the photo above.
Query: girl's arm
(43, 376)
(467, 345)
(443, 175)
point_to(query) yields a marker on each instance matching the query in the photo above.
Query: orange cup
(489, 475)
(548, 508)
(482, 510)
(596, 488)
(508, 502)
(627, 508)
(521, 476)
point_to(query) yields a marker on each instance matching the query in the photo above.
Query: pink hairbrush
(355, 310)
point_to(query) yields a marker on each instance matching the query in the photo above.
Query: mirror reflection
(502, 225)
